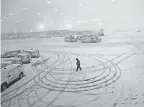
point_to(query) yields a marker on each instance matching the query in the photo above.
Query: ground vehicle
(70, 39)
(10, 54)
(101, 33)
(25, 57)
(13, 60)
(90, 39)
(5, 63)
(33, 53)
(10, 73)
(78, 37)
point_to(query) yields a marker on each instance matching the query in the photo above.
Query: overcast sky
(24, 15)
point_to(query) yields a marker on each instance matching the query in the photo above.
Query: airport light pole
(33, 24)
(12, 14)
(15, 25)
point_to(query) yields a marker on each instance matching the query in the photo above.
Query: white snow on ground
(112, 73)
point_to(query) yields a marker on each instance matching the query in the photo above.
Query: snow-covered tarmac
(112, 73)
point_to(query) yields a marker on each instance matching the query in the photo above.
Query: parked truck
(9, 74)
(90, 39)
(70, 38)
(34, 53)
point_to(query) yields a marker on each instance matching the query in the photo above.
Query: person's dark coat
(78, 64)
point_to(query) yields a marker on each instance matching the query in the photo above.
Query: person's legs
(80, 68)
(77, 68)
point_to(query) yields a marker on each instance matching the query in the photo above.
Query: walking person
(78, 64)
